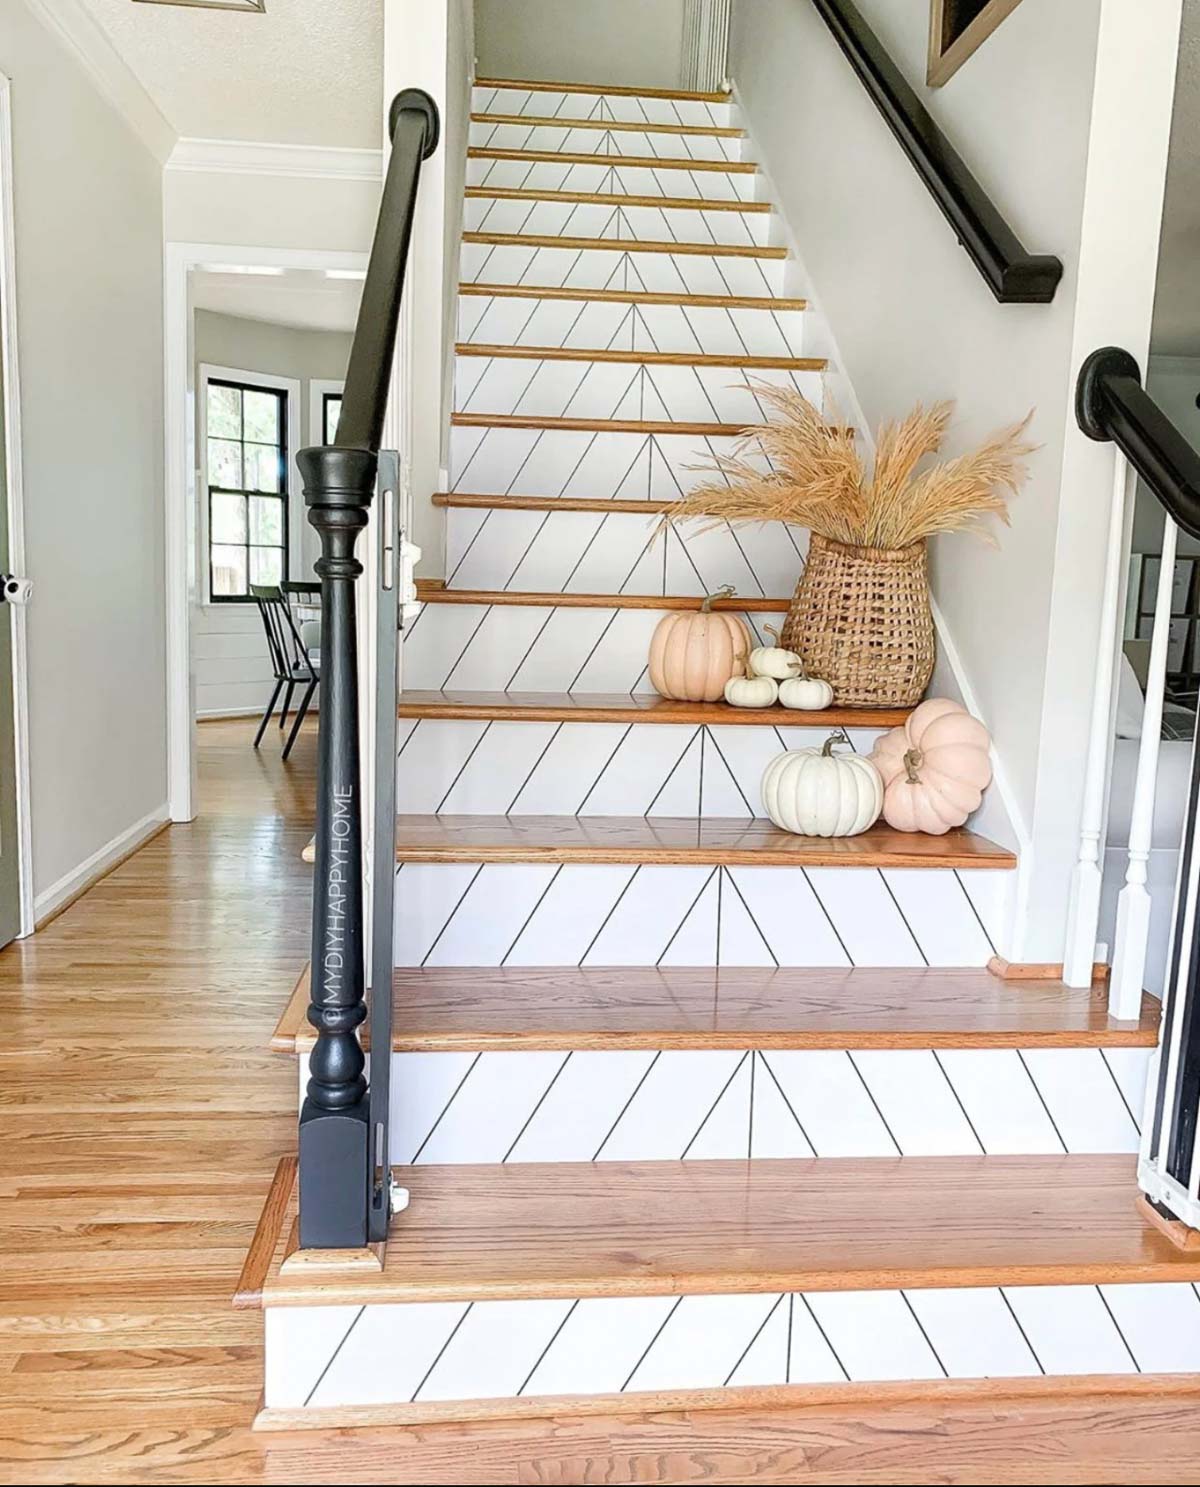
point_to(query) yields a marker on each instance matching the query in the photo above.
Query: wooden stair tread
(602, 90)
(684, 840)
(567, 1230)
(634, 297)
(625, 707)
(623, 245)
(608, 126)
(630, 162)
(452, 1009)
(596, 425)
(434, 591)
(647, 358)
(551, 503)
(618, 199)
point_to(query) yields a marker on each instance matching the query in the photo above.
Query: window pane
(266, 521)
(224, 412)
(228, 519)
(228, 571)
(333, 411)
(225, 464)
(266, 565)
(262, 416)
(262, 467)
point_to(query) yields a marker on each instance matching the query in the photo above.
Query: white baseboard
(93, 868)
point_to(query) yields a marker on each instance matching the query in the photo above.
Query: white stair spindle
(1134, 903)
(1083, 913)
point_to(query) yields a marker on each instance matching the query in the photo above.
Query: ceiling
(302, 299)
(1177, 302)
(308, 72)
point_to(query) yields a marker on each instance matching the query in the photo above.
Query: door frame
(14, 498)
(180, 506)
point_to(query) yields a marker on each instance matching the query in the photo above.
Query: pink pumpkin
(935, 769)
(693, 654)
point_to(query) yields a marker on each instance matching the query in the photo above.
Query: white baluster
(1083, 913)
(1133, 905)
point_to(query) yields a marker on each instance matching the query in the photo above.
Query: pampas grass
(817, 479)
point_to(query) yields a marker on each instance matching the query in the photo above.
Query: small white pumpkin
(815, 792)
(751, 691)
(773, 660)
(805, 693)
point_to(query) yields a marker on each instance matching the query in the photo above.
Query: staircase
(682, 1103)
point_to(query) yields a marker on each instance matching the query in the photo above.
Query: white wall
(635, 43)
(232, 670)
(88, 204)
(914, 321)
(265, 209)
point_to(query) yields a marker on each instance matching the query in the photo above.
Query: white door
(10, 876)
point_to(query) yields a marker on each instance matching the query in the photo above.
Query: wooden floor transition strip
(623, 245)
(442, 1009)
(633, 297)
(609, 126)
(643, 358)
(631, 162)
(433, 591)
(618, 199)
(624, 707)
(602, 90)
(566, 1230)
(679, 840)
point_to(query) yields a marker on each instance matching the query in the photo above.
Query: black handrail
(337, 1169)
(1111, 404)
(1013, 275)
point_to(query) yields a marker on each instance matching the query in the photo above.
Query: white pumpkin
(773, 660)
(751, 691)
(815, 792)
(805, 693)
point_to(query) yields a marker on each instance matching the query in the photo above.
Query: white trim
(317, 389)
(11, 413)
(292, 490)
(88, 42)
(93, 868)
(251, 157)
(179, 486)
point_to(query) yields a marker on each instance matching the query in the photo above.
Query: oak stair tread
(634, 296)
(551, 503)
(630, 162)
(434, 591)
(596, 425)
(646, 358)
(603, 90)
(618, 199)
(581, 1229)
(609, 126)
(625, 707)
(679, 840)
(623, 245)
(452, 1009)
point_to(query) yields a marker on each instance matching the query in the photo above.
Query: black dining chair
(291, 661)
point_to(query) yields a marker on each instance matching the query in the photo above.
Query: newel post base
(335, 1132)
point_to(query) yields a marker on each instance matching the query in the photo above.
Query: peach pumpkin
(935, 769)
(693, 655)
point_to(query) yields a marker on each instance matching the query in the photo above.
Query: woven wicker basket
(861, 620)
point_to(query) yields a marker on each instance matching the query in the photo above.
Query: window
(956, 29)
(331, 411)
(246, 438)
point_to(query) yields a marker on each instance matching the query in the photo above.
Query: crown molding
(89, 44)
(249, 157)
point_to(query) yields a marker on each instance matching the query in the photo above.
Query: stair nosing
(630, 162)
(598, 425)
(624, 245)
(730, 359)
(434, 591)
(613, 126)
(602, 198)
(477, 287)
(598, 90)
(647, 708)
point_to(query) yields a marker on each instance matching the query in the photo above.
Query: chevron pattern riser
(543, 104)
(473, 914)
(598, 219)
(506, 321)
(564, 140)
(613, 268)
(341, 1355)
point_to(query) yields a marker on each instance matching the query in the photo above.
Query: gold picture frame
(957, 28)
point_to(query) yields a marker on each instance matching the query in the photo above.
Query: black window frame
(326, 399)
(283, 495)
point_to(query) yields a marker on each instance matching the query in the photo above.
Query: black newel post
(335, 1131)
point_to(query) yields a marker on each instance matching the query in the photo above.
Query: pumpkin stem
(772, 632)
(839, 735)
(913, 759)
(726, 591)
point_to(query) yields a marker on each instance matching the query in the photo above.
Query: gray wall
(88, 200)
(632, 43)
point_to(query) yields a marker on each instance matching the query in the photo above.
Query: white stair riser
(590, 552)
(586, 389)
(614, 268)
(563, 139)
(318, 1357)
(507, 321)
(594, 914)
(602, 219)
(619, 177)
(543, 103)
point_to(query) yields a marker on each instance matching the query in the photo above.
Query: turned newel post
(335, 1147)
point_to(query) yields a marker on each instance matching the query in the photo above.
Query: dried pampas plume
(808, 472)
